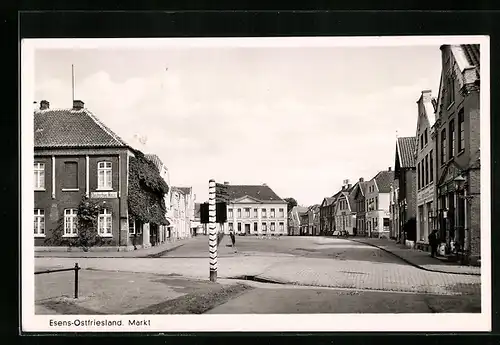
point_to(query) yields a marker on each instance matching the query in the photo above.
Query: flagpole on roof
(72, 83)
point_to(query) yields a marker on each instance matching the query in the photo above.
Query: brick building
(457, 139)
(313, 220)
(345, 208)
(296, 222)
(76, 155)
(425, 154)
(405, 175)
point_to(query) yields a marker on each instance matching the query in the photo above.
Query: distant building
(326, 216)
(255, 210)
(182, 212)
(313, 220)
(345, 208)
(360, 201)
(297, 220)
(377, 196)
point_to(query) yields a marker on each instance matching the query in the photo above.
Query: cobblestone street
(305, 261)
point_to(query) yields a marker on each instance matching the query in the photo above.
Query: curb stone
(414, 264)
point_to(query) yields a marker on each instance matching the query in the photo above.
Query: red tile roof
(406, 150)
(72, 128)
(384, 180)
(259, 192)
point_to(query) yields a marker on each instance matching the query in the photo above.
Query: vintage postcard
(256, 184)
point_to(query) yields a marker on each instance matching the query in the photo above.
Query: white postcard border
(266, 322)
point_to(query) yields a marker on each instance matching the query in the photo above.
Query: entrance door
(247, 229)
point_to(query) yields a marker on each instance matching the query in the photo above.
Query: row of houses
(435, 184)
(437, 171)
(76, 155)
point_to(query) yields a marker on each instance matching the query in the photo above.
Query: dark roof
(301, 210)
(154, 158)
(72, 128)
(184, 190)
(259, 192)
(384, 181)
(329, 200)
(406, 151)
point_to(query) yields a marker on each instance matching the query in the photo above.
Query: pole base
(213, 276)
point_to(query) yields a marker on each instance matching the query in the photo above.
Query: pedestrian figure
(233, 238)
(433, 242)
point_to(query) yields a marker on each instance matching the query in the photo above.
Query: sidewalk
(139, 253)
(418, 258)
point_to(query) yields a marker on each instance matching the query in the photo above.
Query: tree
(291, 203)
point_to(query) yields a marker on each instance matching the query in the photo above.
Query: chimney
(426, 95)
(226, 183)
(389, 169)
(434, 103)
(78, 105)
(349, 185)
(44, 105)
(361, 179)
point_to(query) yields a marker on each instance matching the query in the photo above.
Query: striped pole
(212, 231)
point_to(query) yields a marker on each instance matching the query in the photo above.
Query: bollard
(77, 268)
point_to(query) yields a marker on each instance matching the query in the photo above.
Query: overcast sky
(299, 119)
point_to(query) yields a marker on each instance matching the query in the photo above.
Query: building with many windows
(255, 210)
(425, 165)
(457, 139)
(345, 209)
(182, 212)
(76, 155)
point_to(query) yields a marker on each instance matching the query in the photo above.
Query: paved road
(308, 261)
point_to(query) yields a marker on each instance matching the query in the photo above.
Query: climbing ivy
(146, 190)
(87, 233)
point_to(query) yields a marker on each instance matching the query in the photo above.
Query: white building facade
(255, 210)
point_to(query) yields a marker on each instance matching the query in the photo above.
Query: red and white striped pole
(212, 231)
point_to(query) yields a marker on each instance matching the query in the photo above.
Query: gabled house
(425, 154)
(297, 220)
(77, 155)
(255, 210)
(457, 138)
(326, 216)
(360, 202)
(345, 209)
(377, 196)
(405, 175)
(313, 220)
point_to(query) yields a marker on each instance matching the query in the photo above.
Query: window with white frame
(282, 212)
(39, 176)
(264, 227)
(131, 226)
(273, 227)
(282, 227)
(70, 222)
(273, 214)
(39, 222)
(255, 213)
(230, 213)
(105, 223)
(104, 173)
(247, 212)
(264, 214)
(239, 213)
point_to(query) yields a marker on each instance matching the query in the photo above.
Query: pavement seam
(413, 264)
